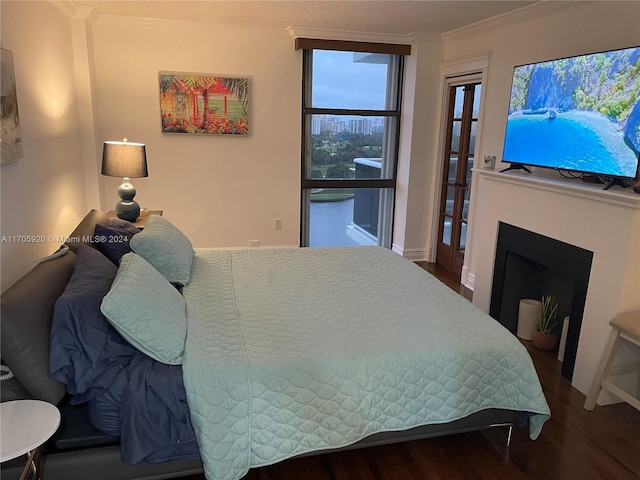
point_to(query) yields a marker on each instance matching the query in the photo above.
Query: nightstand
(25, 425)
(141, 221)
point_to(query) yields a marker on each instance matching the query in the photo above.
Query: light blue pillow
(166, 248)
(147, 310)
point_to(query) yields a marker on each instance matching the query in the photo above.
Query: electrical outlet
(277, 223)
(254, 243)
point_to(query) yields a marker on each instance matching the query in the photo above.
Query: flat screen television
(579, 115)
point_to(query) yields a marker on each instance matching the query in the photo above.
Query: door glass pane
(451, 191)
(472, 138)
(344, 216)
(469, 167)
(455, 135)
(476, 100)
(339, 79)
(349, 146)
(463, 236)
(459, 102)
(465, 206)
(453, 169)
(446, 231)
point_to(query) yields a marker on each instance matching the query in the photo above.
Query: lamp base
(129, 211)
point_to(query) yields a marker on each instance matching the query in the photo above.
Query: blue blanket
(129, 394)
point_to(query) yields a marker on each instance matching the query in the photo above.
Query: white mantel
(604, 222)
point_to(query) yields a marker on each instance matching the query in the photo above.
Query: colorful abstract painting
(11, 148)
(195, 103)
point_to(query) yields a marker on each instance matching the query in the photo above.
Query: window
(350, 121)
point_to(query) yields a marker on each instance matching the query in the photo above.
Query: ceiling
(374, 16)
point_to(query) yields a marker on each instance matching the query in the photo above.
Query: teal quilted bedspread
(297, 350)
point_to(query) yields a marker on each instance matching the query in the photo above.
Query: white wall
(416, 187)
(42, 193)
(220, 190)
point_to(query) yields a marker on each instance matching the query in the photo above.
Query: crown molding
(87, 14)
(459, 66)
(160, 24)
(418, 37)
(72, 10)
(530, 12)
(68, 7)
(138, 22)
(75, 12)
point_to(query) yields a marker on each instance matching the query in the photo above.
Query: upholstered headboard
(26, 309)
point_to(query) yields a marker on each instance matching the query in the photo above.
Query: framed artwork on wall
(11, 138)
(204, 104)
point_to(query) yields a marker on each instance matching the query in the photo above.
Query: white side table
(25, 425)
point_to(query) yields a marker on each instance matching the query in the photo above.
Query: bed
(243, 358)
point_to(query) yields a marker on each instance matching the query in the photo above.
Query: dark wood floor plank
(463, 457)
(312, 468)
(376, 464)
(422, 459)
(574, 444)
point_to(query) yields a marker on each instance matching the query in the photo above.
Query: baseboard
(413, 254)
(467, 279)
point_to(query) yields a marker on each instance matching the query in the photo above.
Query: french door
(460, 140)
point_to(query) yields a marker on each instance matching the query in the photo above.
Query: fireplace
(530, 265)
(605, 222)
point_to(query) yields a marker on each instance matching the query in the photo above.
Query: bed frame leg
(509, 433)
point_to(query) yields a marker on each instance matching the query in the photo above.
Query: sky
(339, 82)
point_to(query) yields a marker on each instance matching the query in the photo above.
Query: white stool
(625, 326)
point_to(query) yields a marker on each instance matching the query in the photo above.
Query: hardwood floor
(448, 278)
(574, 444)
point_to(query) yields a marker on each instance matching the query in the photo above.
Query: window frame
(394, 88)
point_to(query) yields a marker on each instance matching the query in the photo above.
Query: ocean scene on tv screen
(580, 113)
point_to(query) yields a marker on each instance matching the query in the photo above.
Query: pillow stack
(121, 298)
(142, 303)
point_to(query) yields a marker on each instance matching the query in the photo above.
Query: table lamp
(125, 159)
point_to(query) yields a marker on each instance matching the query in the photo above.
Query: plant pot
(544, 341)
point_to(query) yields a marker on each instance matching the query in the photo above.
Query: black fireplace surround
(530, 265)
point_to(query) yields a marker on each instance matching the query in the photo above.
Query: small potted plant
(545, 336)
